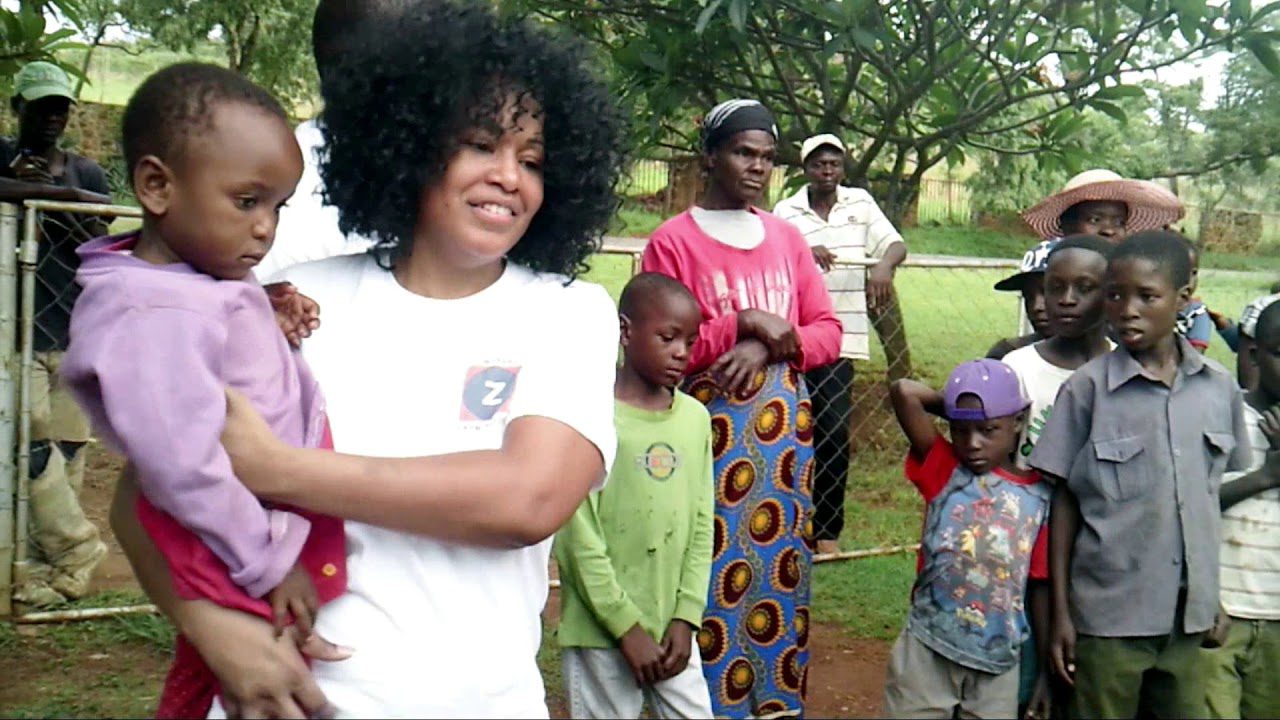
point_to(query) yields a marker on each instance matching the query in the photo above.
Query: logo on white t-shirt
(488, 391)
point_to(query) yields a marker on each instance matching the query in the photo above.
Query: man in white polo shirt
(840, 223)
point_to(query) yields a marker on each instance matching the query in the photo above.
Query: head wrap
(734, 116)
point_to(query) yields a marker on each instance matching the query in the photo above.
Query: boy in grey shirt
(1136, 446)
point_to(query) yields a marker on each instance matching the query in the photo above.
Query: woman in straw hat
(1100, 202)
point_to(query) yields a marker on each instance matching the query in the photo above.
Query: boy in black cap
(1029, 281)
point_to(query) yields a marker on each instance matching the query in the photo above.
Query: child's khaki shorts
(924, 684)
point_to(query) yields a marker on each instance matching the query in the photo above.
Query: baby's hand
(296, 596)
(296, 313)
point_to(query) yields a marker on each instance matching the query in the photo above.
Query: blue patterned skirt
(755, 633)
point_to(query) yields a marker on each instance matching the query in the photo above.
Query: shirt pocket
(1218, 446)
(1122, 467)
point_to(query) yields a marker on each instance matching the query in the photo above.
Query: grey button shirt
(1145, 460)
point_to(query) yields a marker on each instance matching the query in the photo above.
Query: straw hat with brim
(1151, 207)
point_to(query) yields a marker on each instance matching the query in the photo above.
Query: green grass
(101, 668)
(633, 220)
(868, 596)
(966, 241)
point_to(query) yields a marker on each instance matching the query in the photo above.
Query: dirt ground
(49, 671)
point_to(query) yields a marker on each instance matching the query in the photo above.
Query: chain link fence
(945, 311)
(48, 546)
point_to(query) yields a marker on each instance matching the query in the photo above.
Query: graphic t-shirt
(639, 550)
(1195, 325)
(984, 536)
(442, 629)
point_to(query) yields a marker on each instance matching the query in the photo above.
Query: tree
(913, 82)
(97, 18)
(266, 40)
(1158, 132)
(24, 37)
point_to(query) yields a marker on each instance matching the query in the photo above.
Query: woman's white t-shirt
(439, 629)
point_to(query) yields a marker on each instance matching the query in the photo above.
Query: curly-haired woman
(769, 319)
(482, 155)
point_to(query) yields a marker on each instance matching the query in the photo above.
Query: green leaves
(914, 83)
(738, 10)
(1115, 92)
(25, 36)
(1262, 45)
(705, 16)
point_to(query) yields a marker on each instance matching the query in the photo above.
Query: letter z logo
(488, 391)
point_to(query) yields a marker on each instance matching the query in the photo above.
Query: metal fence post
(9, 215)
(27, 254)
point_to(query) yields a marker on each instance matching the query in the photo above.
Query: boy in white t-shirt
(1077, 328)
(1073, 300)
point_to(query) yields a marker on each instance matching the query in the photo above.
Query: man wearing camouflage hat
(65, 546)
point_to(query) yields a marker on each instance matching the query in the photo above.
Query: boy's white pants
(599, 684)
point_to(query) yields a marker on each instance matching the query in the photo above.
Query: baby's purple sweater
(152, 349)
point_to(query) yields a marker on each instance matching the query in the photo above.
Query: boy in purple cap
(983, 537)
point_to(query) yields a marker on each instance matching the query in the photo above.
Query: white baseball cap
(817, 141)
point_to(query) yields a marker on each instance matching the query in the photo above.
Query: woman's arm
(261, 675)
(717, 335)
(517, 495)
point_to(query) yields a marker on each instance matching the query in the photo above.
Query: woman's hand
(261, 675)
(296, 313)
(256, 453)
(778, 335)
(736, 369)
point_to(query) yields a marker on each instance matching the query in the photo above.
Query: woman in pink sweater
(767, 318)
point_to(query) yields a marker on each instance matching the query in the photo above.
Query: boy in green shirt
(635, 559)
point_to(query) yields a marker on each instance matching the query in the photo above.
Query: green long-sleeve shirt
(639, 550)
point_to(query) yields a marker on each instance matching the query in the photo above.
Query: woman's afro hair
(398, 106)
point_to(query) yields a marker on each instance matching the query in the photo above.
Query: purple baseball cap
(993, 382)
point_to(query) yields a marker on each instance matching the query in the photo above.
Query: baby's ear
(153, 184)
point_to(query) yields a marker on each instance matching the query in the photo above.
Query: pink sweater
(777, 276)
